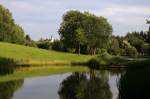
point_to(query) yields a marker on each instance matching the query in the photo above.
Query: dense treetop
(79, 28)
(9, 30)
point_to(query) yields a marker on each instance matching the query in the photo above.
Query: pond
(102, 84)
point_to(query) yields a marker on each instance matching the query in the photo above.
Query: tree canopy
(85, 28)
(9, 30)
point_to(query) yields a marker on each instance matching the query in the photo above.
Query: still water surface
(102, 84)
(63, 86)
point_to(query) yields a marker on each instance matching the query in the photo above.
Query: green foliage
(101, 60)
(98, 31)
(122, 46)
(133, 44)
(72, 21)
(131, 51)
(44, 44)
(114, 47)
(58, 45)
(9, 31)
(102, 51)
(84, 28)
(80, 36)
(118, 61)
(29, 41)
(135, 40)
(106, 60)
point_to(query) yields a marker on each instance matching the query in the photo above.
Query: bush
(58, 46)
(44, 44)
(104, 56)
(131, 51)
(101, 60)
(101, 51)
(31, 44)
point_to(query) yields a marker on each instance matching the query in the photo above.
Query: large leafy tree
(72, 21)
(98, 31)
(85, 28)
(114, 47)
(9, 31)
(80, 38)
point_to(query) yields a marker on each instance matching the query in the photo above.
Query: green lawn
(36, 55)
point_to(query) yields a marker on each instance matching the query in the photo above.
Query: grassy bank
(107, 60)
(34, 56)
(40, 71)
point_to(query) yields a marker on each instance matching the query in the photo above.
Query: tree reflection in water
(135, 84)
(83, 86)
(7, 89)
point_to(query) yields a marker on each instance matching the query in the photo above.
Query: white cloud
(44, 17)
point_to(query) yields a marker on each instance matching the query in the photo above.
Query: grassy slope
(25, 53)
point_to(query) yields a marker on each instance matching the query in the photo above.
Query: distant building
(52, 39)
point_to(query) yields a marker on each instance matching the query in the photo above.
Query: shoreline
(27, 72)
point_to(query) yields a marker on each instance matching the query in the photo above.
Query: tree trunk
(79, 50)
(91, 51)
(94, 51)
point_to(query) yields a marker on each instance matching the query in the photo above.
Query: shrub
(58, 46)
(131, 51)
(44, 44)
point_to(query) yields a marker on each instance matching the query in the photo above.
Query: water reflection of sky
(47, 87)
(40, 87)
(113, 85)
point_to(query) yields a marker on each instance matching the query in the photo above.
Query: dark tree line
(133, 43)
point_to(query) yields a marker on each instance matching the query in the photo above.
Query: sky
(42, 18)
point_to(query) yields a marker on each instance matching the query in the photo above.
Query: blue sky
(42, 18)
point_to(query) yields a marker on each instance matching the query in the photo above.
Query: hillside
(30, 55)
